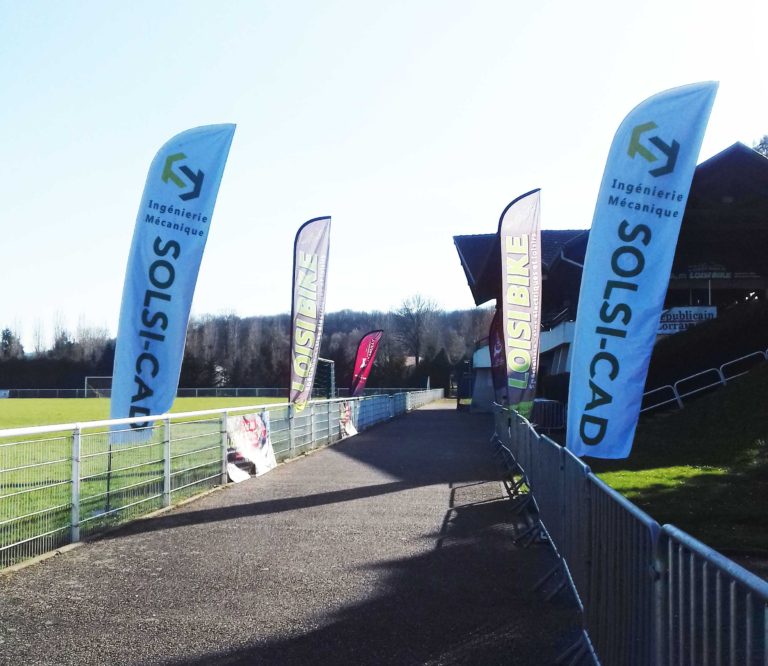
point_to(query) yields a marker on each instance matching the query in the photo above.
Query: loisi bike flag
(172, 227)
(520, 244)
(310, 269)
(626, 270)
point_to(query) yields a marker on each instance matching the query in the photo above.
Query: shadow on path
(392, 547)
(267, 507)
(466, 602)
(437, 453)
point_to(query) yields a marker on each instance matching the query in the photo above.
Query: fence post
(167, 461)
(224, 446)
(291, 434)
(328, 405)
(312, 424)
(677, 397)
(721, 375)
(659, 595)
(75, 517)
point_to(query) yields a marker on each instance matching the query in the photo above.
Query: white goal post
(96, 386)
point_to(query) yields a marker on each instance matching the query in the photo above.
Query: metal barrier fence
(701, 381)
(711, 610)
(209, 392)
(62, 483)
(619, 602)
(649, 595)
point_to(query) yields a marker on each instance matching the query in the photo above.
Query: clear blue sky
(408, 122)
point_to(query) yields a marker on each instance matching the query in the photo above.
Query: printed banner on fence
(310, 268)
(520, 244)
(627, 266)
(366, 354)
(346, 420)
(677, 320)
(498, 359)
(250, 443)
(172, 227)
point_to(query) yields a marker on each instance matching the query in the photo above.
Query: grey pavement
(392, 547)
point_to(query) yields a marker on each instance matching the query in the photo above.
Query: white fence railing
(701, 381)
(649, 595)
(204, 392)
(62, 483)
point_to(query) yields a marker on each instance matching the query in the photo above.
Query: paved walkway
(392, 547)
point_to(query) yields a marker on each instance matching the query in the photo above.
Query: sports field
(120, 476)
(20, 413)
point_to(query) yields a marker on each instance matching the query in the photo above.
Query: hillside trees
(90, 351)
(10, 345)
(227, 350)
(415, 326)
(762, 146)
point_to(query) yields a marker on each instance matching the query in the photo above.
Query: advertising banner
(520, 243)
(171, 230)
(626, 270)
(498, 359)
(677, 320)
(310, 268)
(250, 443)
(366, 354)
(346, 419)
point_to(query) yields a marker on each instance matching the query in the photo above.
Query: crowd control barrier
(649, 595)
(62, 483)
(712, 611)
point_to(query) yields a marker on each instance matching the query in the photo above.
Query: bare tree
(38, 336)
(414, 320)
(762, 146)
(10, 345)
(90, 340)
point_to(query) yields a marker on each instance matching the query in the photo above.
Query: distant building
(483, 394)
(721, 257)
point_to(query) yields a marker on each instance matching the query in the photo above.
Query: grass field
(20, 413)
(121, 476)
(50, 488)
(704, 468)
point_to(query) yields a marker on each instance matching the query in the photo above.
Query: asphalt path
(391, 547)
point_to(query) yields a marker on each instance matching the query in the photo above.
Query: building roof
(725, 226)
(737, 174)
(474, 253)
(726, 218)
(482, 265)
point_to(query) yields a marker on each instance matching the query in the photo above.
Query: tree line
(420, 340)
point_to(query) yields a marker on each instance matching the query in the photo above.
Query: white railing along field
(701, 381)
(62, 483)
(199, 392)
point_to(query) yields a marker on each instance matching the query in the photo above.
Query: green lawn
(120, 476)
(705, 468)
(19, 413)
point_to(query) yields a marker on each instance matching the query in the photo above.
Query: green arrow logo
(195, 178)
(670, 150)
(168, 173)
(637, 148)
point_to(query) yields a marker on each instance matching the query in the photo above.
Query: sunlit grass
(27, 412)
(705, 468)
